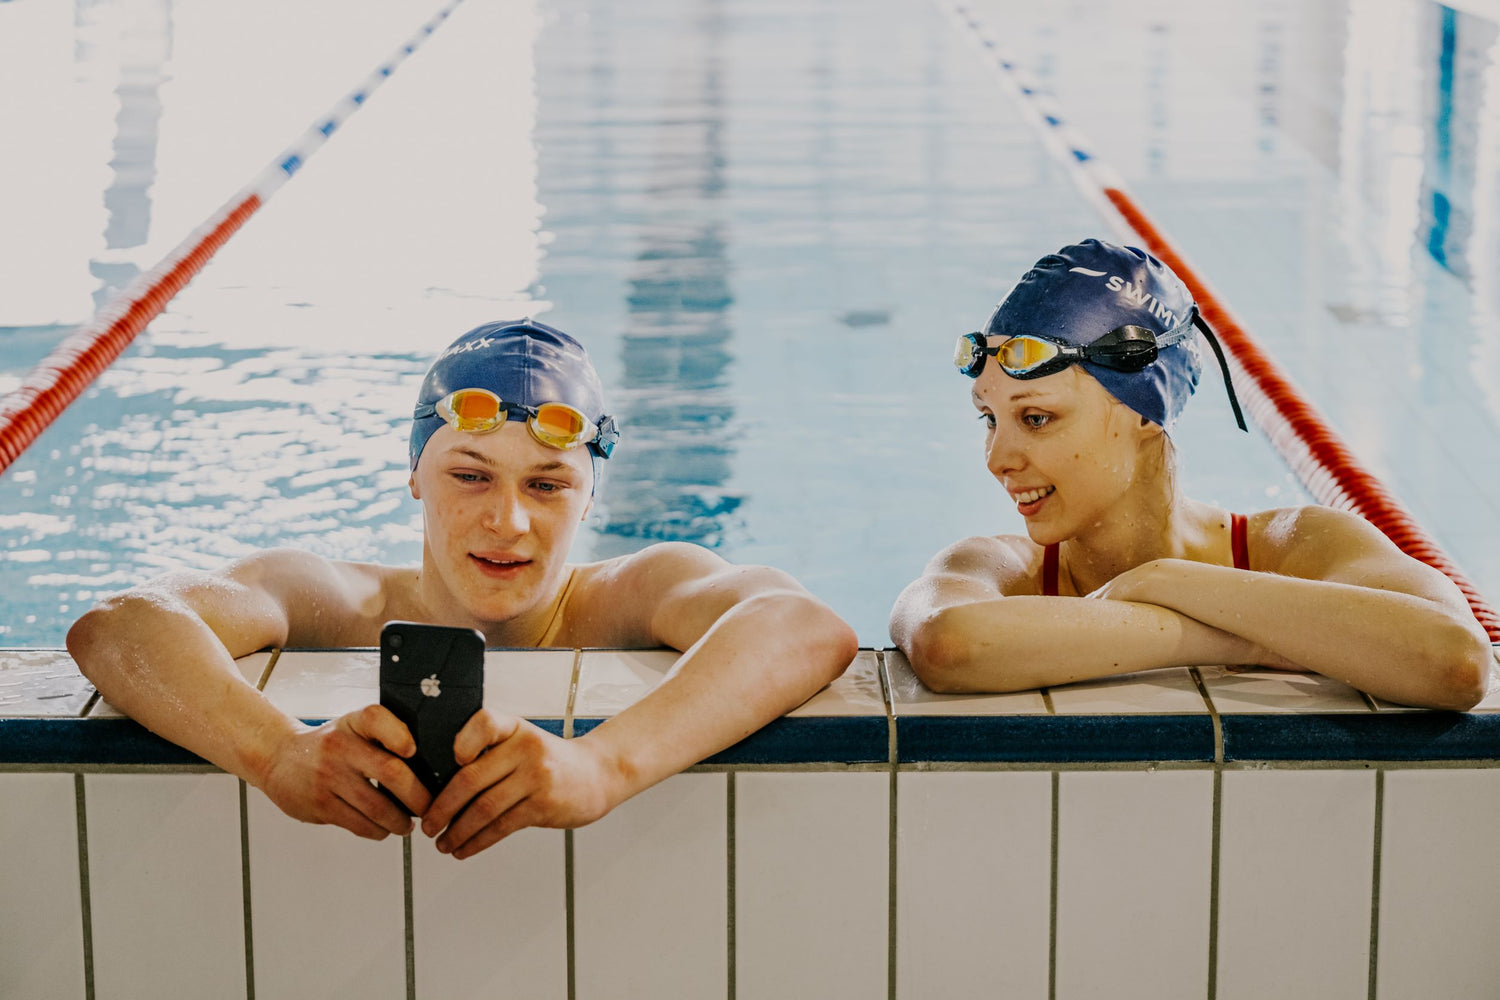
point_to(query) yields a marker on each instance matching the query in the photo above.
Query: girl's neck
(1156, 523)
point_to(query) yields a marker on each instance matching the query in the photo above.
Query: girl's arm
(973, 622)
(1333, 595)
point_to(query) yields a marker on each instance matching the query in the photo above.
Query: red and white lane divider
(1302, 436)
(64, 373)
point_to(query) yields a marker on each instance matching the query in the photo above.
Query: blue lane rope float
(64, 373)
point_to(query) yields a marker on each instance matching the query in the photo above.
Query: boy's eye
(988, 419)
(1036, 419)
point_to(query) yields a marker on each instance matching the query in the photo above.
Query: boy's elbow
(84, 639)
(800, 621)
(834, 639)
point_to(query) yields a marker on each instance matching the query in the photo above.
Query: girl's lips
(1029, 508)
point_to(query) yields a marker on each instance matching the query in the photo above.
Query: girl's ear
(416, 494)
(1149, 429)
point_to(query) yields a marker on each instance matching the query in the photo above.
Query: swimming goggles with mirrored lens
(556, 425)
(1031, 355)
(1123, 349)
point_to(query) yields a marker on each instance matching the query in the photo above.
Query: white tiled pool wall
(1296, 878)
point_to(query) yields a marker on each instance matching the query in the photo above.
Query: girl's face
(1064, 449)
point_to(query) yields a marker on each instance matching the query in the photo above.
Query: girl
(1079, 377)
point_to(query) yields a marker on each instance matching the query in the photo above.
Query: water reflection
(669, 483)
(141, 37)
(1458, 48)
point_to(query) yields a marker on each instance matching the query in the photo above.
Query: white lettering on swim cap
(466, 347)
(1137, 297)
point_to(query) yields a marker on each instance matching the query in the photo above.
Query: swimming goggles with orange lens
(556, 425)
(1031, 355)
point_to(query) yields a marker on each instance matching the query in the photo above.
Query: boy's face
(499, 513)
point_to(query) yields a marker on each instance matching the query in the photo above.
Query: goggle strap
(1213, 342)
(1178, 335)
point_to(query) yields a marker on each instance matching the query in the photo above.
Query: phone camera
(395, 640)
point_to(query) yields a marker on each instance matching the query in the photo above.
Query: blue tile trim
(86, 741)
(1395, 736)
(859, 739)
(70, 742)
(1060, 739)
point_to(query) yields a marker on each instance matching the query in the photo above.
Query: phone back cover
(433, 682)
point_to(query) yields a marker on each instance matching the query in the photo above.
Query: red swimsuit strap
(1049, 571)
(1239, 541)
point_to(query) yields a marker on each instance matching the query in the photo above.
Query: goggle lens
(559, 426)
(1022, 354)
(473, 410)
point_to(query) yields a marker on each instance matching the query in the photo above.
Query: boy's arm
(164, 653)
(755, 645)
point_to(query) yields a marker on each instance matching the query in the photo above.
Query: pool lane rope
(62, 375)
(1303, 437)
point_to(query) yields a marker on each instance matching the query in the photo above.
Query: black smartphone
(432, 679)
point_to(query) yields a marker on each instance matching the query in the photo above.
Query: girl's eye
(988, 419)
(1036, 420)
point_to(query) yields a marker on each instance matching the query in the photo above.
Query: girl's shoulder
(1299, 541)
(1011, 564)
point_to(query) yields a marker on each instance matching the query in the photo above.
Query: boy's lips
(499, 564)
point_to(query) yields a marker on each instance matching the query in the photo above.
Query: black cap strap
(1213, 342)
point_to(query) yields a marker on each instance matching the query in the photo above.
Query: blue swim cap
(1084, 291)
(521, 361)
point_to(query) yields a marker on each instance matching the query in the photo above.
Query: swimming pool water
(766, 220)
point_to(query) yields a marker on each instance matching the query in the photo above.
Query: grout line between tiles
(892, 755)
(1213, 883)
(1213, 714)
(1375, 881)
(1368, 701)
(1052, 892)
(1052, 916)
(572, 694)
(88, 706)
(245, 892)
(265, 673)
(84, 888)
(568, 915)
(729, 865)
(410, 932)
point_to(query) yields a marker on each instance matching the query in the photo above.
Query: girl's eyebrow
(1028, 394)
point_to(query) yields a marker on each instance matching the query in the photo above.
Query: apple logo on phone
(430, 686)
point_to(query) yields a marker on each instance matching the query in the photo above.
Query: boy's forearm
(162, 666)
(754, 665)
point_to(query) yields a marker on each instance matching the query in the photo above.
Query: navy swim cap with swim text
(1084, 291)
